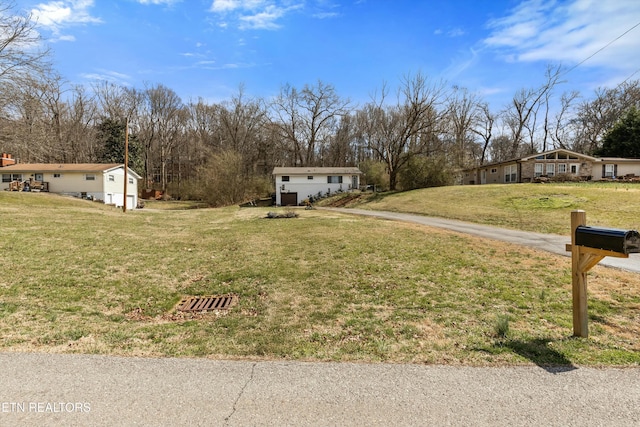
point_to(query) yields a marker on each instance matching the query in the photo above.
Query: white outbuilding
(297, 184)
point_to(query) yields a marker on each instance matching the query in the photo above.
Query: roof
(317, 171)
(66, 167)
(533, 156)
(618, 160)
(559, 150)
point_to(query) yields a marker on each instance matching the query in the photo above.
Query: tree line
(420, 133)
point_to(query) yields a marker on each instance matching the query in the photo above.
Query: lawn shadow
(540, 353)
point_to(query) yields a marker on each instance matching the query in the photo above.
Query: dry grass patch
(322, 286)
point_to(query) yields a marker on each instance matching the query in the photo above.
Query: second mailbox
(609, 239)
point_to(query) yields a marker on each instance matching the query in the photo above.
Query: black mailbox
(609, 239)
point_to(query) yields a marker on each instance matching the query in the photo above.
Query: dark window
(334, 179)
(7, 177)
(285, 178)
(310, 177)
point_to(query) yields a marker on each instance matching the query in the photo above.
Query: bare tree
(117, 103)
(520, 116)
(20, 48)
(562, 131)
(408, 128)
(463, 113)
(340, 150)
(204, 124)
(595, 117)
(162, 123)
(484, 128)
(307, 118)
(240, 123)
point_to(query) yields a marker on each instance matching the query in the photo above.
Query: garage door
(289, 199)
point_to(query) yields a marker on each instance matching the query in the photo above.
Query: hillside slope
(543, 208)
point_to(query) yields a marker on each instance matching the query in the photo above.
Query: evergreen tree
(111, 137)
(623, 140)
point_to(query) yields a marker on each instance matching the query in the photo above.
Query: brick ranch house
(96, 181)
(557, 164)
(296, 184)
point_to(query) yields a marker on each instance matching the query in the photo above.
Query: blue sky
(207, 48)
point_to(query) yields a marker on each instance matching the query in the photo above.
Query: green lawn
(79, 276)
(543, 208)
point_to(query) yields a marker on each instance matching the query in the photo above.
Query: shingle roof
(318, 170)
(63, 167)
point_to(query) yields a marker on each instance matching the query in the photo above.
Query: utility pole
(126, 164)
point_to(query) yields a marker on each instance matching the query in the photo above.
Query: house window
(574, 168)
(562, 168)
(130, 180)
(538, 170)
(551, 169)
(112, 178)
(494, 170)
(8, 177)
(334, 179)
(609, 171)
(57, 175)
(90, 177)
(285, 178)
(511, 173)
(310, 177)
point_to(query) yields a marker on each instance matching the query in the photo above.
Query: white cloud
(454, 32)
(158, 2)
(326, 15)
(58, 15)
(253, 14)
(264, 20)
(230, 5)
(109, 76)
(464, 61)
(67, 38)
(224, 5)
(570, 32)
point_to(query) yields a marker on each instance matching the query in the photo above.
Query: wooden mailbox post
(589, 245)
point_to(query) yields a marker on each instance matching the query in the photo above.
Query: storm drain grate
(221, 302)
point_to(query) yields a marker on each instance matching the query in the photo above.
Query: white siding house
(294, 185)
(95, 181)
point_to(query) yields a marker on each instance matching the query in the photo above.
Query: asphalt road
(87, 390)
(84, 390)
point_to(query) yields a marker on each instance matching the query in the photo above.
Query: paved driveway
(547, 242)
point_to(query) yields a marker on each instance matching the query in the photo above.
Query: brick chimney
(7, 160)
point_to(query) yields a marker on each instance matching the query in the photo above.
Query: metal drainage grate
(222, 302)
